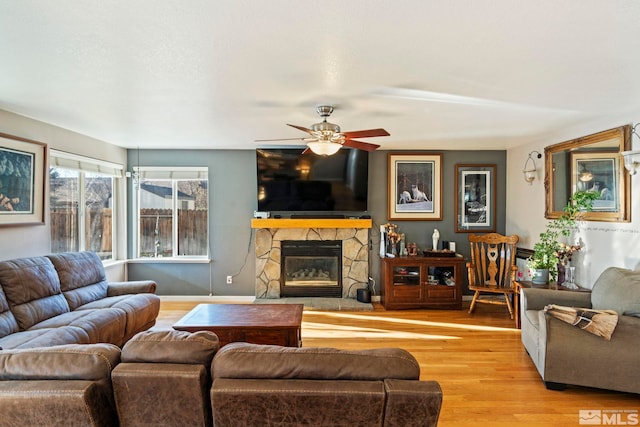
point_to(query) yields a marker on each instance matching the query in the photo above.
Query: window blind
(172, 172)
(65, 160)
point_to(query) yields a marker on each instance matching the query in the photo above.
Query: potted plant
(543, 263)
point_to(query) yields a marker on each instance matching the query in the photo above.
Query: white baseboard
(207, 298)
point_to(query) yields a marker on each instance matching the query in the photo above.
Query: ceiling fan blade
(280, 139)
(302, 128)
(306, 150)
(360, 145)
(366, 133)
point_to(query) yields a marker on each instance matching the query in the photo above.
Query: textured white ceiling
(220, 74)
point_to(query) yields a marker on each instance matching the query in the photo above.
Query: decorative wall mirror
(590, 163)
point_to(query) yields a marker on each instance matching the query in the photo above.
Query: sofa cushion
(45, 338)
(171, 346)
(616, 289)
(245, 360)
(82, 277)
(102, 325)
(141, 310)
(65, 362)
(32, 289)
(8, 323)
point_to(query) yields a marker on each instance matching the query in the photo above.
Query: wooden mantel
(310, 223)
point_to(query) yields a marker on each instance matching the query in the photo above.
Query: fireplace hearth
(311, 268)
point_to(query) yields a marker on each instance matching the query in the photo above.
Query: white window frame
(173, 174)
(83, 165)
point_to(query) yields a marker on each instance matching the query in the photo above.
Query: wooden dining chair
(492, 269)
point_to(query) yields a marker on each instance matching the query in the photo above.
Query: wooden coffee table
(277, 324)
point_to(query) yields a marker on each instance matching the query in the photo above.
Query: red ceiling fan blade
(360, 145)
(366, 133)
(306, 150)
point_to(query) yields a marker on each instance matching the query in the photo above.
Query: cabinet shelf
(422, 282)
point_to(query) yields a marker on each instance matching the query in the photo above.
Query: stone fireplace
(341, 246)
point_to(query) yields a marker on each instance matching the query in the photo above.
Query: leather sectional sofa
(177, 378)
(74, 355)
(65, 299)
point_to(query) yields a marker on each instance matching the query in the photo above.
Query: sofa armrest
(131, 287)
(64, 362)
(171, 346)
(70, 384)
(537, 299)
(411, 403)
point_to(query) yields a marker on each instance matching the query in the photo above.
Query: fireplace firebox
(311, 268)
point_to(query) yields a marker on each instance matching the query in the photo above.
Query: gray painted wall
(31, 240)
(232, 183)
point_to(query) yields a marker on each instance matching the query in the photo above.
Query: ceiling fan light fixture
(324, 148)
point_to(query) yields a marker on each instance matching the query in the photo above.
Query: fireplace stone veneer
(355, 256)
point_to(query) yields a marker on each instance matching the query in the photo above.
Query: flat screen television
(292, 182)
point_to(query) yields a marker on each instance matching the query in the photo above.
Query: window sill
(168, 260)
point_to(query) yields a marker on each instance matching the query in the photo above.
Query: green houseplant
(544, 260)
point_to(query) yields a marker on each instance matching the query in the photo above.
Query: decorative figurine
(435, 237)
(412, 248)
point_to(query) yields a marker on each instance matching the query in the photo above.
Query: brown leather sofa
(66, 385)
(169, 378)
(177, 378)
(257, 385)
(65, 299)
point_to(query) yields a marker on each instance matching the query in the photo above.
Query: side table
(519, 284)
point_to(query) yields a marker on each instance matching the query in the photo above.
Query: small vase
(540, 276)
(570, 275)
(561, 273)
(403, 245)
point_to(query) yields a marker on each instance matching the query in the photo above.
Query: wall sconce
(632, 158)
(529, 171)
(631, 161)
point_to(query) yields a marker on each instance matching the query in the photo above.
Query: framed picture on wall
(599, 172)
(475, 203)
(415, 187)
(23, 166)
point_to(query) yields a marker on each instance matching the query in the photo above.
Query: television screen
(289, 181)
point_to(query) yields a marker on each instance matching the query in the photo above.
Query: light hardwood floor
(486, 376)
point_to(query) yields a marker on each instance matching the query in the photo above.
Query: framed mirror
(592, 163)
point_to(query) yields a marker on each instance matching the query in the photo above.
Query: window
(82, 204)
(172, 212)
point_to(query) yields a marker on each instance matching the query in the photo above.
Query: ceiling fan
(326, 138)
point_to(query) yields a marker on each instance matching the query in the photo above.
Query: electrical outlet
(229, 280)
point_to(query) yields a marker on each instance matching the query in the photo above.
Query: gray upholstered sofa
(565, 354)
(65, 299)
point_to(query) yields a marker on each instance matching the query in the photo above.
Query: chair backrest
(492, 260)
